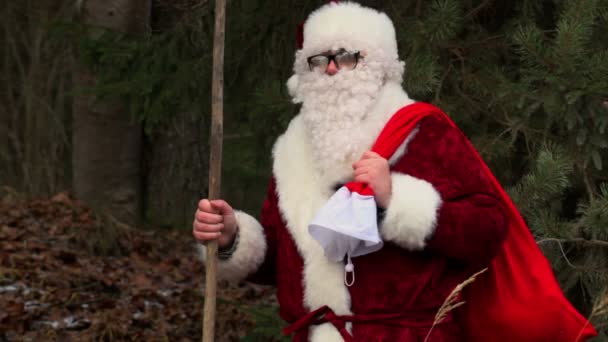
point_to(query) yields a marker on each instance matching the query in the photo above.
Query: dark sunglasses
(343, 60)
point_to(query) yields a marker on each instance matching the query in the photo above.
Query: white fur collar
(302, 191)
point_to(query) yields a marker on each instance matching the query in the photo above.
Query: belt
(324, 314)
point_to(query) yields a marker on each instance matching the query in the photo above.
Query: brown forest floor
(54, 288)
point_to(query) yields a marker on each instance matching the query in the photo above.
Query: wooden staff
(215, 163)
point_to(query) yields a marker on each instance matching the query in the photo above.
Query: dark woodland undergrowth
(67, 274)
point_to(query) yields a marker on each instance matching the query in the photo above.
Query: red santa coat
(444, 222)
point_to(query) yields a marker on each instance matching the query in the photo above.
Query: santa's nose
(332, 69)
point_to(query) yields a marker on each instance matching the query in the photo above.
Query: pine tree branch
(440, 85)
(561, 248)
(584, 242)
(468, 99)
(476, 10)
(590, 191)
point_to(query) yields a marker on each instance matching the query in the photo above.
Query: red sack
(518, 298)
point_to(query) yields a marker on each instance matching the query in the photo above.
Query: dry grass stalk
(600, 308)
(450, 302)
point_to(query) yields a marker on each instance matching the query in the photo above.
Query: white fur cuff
(411, 215)
(250, 251)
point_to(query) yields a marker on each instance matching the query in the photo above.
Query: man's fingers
(370, 155)
(217, 206)
(206, 236)
(206, 217)
(364, 163)
(369, 163)
(207, 228)
(221, 206)
(205, 205)
(362, 170)
(364, 178)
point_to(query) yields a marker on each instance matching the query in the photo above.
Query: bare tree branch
(585, 242)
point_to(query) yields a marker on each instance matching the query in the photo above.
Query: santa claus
(439, 216)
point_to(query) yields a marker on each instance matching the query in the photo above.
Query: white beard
(337, 113)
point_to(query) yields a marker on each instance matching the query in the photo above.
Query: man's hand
(214, 220)
(374, 170)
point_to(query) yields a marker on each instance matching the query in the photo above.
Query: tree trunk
(176, 168)
(107, 143)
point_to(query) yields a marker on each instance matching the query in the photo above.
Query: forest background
(110, 101)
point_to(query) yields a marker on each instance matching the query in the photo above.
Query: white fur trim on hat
(250, 251)
(412, 213)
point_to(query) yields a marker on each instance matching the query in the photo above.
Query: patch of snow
(153, 304)
(165, 293)
(138, 315)
(9, 288)
(52, 324)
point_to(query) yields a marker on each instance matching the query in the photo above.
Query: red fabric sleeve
(472, 221)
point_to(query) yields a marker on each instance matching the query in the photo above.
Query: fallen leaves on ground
(53, 286)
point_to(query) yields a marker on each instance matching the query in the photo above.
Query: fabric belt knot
(324, 314)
